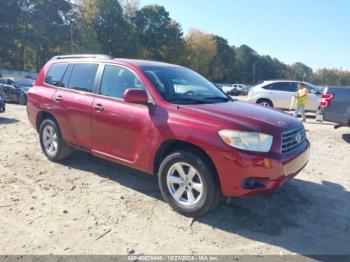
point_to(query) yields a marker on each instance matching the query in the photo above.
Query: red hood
(245, 116)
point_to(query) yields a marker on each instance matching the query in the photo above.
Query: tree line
(32, 31)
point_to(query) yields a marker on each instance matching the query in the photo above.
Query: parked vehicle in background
(235, 89)
(2, 105)
(245, 90)
(335, 106)
(165, 120)
(15, 89)
(278, 93)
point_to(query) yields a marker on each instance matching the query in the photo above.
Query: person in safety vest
(301, 100)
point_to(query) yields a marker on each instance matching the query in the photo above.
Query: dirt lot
(85, 205)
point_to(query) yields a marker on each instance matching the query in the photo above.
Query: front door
(119, 129)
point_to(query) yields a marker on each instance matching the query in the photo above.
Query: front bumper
(2, 106)
(236, 168)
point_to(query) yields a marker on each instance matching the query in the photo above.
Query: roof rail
(97, 56)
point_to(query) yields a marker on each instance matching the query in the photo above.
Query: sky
(314, 32)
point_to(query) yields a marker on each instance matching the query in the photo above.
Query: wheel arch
(41, 116)
(264, 99)
(172, 145)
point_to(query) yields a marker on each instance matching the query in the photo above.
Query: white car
(235, 89)
(279, 93)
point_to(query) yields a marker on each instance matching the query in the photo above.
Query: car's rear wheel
(188, 183)
(51, 141)
(265, 102)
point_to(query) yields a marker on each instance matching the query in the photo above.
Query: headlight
(251, 141)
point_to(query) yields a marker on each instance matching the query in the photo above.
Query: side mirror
(313, 91)
(136, 96)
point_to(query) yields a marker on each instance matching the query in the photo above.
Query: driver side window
(117, 79)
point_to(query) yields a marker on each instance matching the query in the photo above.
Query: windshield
(183, 86)
(24, 81)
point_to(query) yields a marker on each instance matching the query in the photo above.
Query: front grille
(292, 139)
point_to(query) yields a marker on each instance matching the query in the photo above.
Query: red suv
(165, 120)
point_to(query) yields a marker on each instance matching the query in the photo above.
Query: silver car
(279, 93)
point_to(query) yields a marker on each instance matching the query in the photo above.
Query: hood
(246, 116)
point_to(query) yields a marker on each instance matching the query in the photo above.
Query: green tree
(114, 35)
(32, 31)
(49, 30)
(247, 62)
(332, 77)
(222, 67)
(10, 13)
(159, 37)
(299, 71)
(200, 50)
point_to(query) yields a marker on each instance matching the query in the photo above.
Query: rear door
(73, 102)
(281, 94)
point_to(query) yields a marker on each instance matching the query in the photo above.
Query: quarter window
(55, 74)
(83, 77)
(116, 80)
(269, 87)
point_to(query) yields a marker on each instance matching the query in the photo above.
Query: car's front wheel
(51, 141)
(188, 183)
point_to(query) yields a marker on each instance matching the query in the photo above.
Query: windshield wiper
(225, 99)
(191, 100)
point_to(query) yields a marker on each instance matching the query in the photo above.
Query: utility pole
(339, 76)
(254, 65)
(71, 36)
(197, 60)
(71, 16)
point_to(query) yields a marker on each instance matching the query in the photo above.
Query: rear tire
(51, 141)
(265, 102)
(188, 183)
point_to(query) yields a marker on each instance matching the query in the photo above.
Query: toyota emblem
(298, 138)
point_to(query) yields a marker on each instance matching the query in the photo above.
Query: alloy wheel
(50, 140)
(184, 183)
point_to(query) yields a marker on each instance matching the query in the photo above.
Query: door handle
(58, 98)
(98, 107)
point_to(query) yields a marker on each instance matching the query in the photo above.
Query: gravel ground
(86, 205)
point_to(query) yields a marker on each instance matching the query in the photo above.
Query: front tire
(188, 183)
(51, 141)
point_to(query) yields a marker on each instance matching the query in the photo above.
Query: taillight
(326, 99)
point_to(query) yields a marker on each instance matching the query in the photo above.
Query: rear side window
(82, 77)
(55, 74)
